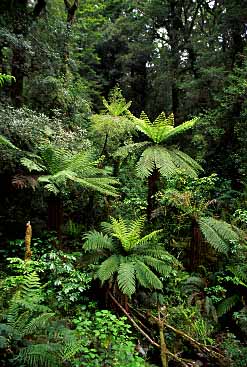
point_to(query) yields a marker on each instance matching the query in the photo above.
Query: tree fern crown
(162, 128)
(128, 258)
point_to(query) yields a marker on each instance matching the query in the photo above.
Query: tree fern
(130, 258)
(163, 128)
(61, 166)
(217, 233)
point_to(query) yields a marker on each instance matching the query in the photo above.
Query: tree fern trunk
(116, 167)
(152, 190)
(195, 246)
(55, 216)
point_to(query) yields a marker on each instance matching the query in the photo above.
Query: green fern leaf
(108, 268)
(185, 163)
(31, 165)
(181, 128)
(227, 304)
(5, 141)
(159, 265)
(217, 233)
(126, 278)
(143, 273)
(41, 355)
(38, 323)
(96, 240)
(125, 150)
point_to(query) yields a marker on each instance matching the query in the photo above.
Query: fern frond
(96, 240)
(41, 355)
(156, 251)
(156, 157)
(136, 227)
(120, 231)
(126, 278)
(108, 268)
(5, 78)
(144, 117)
(134, 232)
(163, 128)
(7, 142)
(146, 277)
(30, 286)
(146, 164)
(181, 128)
(55, 159)
(103, 185)
(117, 108)
(160, 266)
(38, 323)
(125, 150)
(217, 233)
(227, 304)
(70, 349)
(194, 284)
(153, 236)
(52, 188)
(184, 162)
(239, 271)
(31, 165)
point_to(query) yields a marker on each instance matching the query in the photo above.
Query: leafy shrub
(106, 341)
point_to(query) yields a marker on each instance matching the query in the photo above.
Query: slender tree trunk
(152, 190)
(163, 348)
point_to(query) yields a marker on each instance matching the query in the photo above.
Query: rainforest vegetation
(123, 191)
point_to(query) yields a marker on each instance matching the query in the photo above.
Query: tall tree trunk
(71, 10)
(152, 190)
(22, 21)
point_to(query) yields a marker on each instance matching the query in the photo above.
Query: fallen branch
(195, 342)
(173, 356)
(133, 322)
